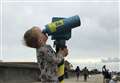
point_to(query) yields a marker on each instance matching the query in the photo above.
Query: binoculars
(60, 29)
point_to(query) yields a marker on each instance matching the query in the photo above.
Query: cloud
(64, 0)
(92, 39)
(110, 60)
(83, 60)
(110, 20)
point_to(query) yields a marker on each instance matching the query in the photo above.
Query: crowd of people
(108, 77)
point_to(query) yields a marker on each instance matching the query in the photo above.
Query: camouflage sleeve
(40, 54)
(51, 55)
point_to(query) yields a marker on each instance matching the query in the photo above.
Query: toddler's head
(34, 37)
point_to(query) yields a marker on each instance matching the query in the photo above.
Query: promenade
(91, 79)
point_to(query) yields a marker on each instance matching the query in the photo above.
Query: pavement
(91, 79)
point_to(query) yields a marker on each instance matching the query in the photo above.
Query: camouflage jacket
(48, 61)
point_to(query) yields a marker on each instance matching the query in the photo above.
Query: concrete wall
(21, 72)
(18, 72)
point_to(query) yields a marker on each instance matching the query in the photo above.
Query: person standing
(85, 73)
(107, 76)
(104, 70)
(77, 71)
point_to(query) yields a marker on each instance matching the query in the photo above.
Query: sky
(95, 41)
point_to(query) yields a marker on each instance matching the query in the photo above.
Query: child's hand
(64, 52)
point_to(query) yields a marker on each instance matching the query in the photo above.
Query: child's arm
(50, 55)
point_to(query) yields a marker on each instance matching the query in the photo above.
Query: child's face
(42, 38)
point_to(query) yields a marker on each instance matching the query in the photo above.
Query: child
(46, 57)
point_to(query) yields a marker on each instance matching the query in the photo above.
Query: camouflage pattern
(48, 61)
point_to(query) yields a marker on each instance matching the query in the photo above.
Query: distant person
(85, 73)
(107, 76)
(77, 71)
(103, 72)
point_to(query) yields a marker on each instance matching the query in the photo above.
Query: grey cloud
(110, 21)
(111, 60)
(62, 0)
(94, 36)
(89, 39)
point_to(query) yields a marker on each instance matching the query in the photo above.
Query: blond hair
(30, 38)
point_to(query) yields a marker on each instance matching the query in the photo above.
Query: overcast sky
(97, 38)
